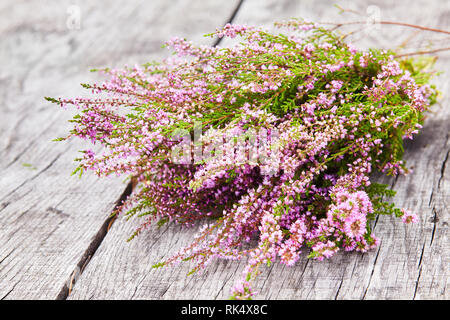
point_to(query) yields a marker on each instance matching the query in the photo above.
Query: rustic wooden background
(56, 240)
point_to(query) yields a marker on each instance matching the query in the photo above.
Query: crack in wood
(435, 220)
(4, 205)
(419, 266)
(9, 292)
(167, 289)
(417, 283)
(5, 257)
(92, 248)
(371, 274)
(421, 256)
(443, 168)
(338, 290)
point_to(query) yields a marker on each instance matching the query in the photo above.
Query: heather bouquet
(269, 143)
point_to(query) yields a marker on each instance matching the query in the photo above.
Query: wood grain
(52, 223)
(48, 223)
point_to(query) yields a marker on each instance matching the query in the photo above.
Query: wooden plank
(411, 262)
(51, 223)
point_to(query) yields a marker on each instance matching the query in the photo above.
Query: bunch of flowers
(271, 142)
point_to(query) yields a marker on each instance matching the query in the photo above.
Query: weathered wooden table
(56, 240)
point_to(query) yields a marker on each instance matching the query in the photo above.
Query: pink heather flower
(309, 48)
(363, 61)
(243, 291)
(324, 250)
(355, 225)
(307, 26)
(336, 84)
(231, 30)
(352, 48)
(409, 217)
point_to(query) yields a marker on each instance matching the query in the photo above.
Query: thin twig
(338, 25)
(421, 52)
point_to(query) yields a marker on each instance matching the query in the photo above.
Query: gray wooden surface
(54, 229)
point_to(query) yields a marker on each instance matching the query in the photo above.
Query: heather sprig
(271, 142)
